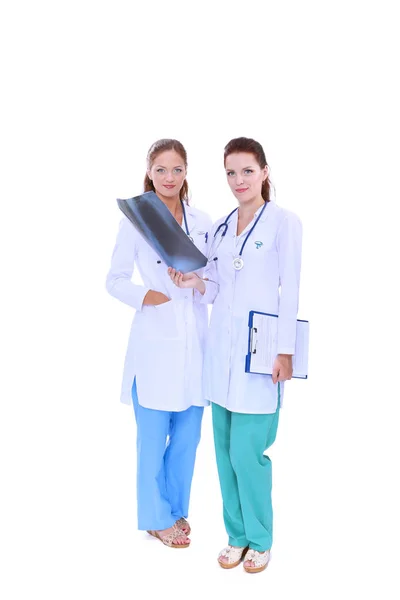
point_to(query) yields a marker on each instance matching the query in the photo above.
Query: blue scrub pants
(166, 452)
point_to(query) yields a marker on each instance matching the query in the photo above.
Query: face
(245, 177)
(168, 173)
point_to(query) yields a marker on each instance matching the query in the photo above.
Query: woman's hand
(187, 280)
(153, 298)
(283, 368)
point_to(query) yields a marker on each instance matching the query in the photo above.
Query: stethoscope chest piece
(238, 263)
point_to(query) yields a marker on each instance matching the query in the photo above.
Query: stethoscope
(238, 261)
(186, 223)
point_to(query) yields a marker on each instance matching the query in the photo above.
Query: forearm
(126, 291)
(200, 285)
(207, 288)
(289, 251)
(119, 278)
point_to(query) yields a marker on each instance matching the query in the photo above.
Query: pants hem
(242, 543)
(259, 548)
(158, 527)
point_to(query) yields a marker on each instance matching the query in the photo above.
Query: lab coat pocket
(264, 261)
(262, 252)
(166, 320)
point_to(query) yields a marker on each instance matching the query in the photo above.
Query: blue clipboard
(257, 333)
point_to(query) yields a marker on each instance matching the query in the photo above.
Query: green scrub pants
(245, 474)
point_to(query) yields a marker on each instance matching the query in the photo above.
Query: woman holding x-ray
(164, 359)
(254, 265)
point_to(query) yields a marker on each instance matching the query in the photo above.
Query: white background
(86, 88)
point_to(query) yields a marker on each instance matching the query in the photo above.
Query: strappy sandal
(169, 538)
(260, 560)
(233, 554)
(182, 523)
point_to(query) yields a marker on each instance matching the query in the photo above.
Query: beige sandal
(182, 523)
(234, 555)
(260, 560)
(169, 538)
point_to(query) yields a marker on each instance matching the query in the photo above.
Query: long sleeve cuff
(209, 295)
(127, 292)
(286, 335)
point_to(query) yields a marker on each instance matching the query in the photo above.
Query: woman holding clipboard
(254, 265)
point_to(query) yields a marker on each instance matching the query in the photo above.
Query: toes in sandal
(184, 525)
(233, 554)
(259, 559)
(169, 539)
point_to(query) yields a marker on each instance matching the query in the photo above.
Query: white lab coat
(166, 342)
(268, 282)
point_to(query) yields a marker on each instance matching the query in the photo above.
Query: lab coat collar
(266, 212)
(250, 225)
(191, 219)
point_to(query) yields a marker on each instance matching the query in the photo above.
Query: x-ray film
(159, 228)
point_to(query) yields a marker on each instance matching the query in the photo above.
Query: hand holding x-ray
(186, 281)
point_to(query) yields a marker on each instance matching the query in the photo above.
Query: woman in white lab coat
(254, 264)
(163, 365)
